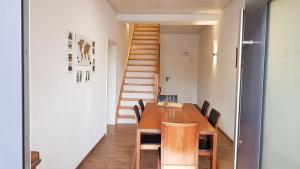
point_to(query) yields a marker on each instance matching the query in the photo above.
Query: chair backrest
(167, 98)
(204, 108)
(214, 117)
(137, 113)
(179, 146)
(142, 106)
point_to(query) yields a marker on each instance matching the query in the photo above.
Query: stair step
(129, 77)
(144, 48)
(141, 65)
(151, 71)
(135, 91)
(142, 30)
(145, 34)
(144, 59)
(137, 43)
(137, 99)
(138, 84)
(144, 39)
(126, 107)
(146, 26)
(133, 53)
(126, 116)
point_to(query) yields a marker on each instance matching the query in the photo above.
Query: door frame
(109, 42)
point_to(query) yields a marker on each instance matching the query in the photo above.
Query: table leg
(138, 150)
(214, 151)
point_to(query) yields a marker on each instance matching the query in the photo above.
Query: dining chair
(205, 143)
(35, 159)
(179, 148)
(204, 108)
(141, 104)
(148, 141)
(137, 113)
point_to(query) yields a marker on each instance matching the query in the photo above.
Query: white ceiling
(167, 6)
(181, 29)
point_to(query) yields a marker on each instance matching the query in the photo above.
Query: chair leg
(133, 163)
(158, 162)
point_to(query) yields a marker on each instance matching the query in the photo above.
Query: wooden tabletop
(154, 115)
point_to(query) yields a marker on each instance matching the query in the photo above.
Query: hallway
(116, 149)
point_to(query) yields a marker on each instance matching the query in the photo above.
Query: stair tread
(138, 91)
(144, 43)
(144, 39)
(144, 49)
(146, 26)
(126, 107)
(130, 77)
(145, 34)
(136, 99)
(136, 43)
(121, 116)
(141, 65)
(143, 59)
(141, 71)
(139, 84)
(145, 30)
(133, 53)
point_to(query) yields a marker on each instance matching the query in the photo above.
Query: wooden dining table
(154, 115)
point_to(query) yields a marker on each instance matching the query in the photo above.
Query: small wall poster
(69, 51)
(84, 50)
(94, 65)
(80, 56)
(87, 75)
(78, 76)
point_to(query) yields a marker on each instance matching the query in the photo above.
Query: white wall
(179, 67)
(68, 119)
(11, 128)
(217, 76)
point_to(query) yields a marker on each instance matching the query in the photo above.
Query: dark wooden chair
(137, 113)
(179, 148)
(149, 141)
(205, 143)
(204, 108)
(141, 104)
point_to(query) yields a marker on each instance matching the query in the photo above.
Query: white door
(178, 66)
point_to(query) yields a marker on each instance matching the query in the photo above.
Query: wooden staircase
(141, 76)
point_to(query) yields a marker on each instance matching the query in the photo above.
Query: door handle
(168, 78)
(249, 43)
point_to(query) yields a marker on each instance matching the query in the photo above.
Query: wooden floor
(115, 151)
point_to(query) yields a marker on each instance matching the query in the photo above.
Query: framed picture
(87, 75)
(70, 49)
(78, 76)
(69, 62)
(84, 47)
(94, 65)
(94, 44)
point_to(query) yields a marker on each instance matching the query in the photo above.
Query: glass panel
(281, 120)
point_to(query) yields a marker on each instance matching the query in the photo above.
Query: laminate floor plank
(116, 151)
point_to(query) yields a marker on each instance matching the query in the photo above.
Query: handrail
(126, 66)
